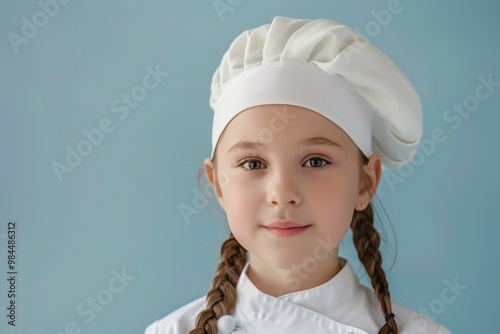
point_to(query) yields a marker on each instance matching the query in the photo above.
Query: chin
(285, 262)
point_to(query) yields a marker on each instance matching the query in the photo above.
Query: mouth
(286, 228)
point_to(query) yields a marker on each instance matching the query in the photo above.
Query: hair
(221, 299)
(367, 241)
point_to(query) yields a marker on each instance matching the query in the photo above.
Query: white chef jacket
(340, 306)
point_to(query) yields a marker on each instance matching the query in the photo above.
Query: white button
(226, 324)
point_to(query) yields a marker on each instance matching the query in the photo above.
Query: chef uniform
(328, 68)
(340, 306)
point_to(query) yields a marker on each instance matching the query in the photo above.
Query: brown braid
(367, 240)
(221, 299)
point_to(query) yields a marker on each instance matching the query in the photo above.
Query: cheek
(242, 208)
(241, 201)
(334, 196)
(333, 206)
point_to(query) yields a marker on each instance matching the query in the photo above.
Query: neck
(277, 282)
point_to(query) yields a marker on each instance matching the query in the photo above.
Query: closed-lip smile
(286, 228)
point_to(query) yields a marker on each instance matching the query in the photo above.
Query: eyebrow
(242, 145)
(320, 141)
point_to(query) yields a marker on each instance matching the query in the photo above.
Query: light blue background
(120, 207)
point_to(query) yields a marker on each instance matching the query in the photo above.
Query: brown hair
(367, 241)
(221, 299)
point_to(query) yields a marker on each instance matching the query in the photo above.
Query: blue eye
(251, 163)
(318, 162)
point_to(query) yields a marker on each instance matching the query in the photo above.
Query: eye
(250, 164)
(317, 162)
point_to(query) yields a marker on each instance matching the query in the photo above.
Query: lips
(286, 228)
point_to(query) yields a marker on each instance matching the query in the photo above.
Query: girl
(306, 116)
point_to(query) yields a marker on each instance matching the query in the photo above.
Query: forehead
(280, 125)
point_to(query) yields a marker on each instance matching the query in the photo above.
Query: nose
(283, 188)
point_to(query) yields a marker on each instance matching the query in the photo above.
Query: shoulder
(179, 321)
(410, 321)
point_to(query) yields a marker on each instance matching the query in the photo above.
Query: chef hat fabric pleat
(329, 68)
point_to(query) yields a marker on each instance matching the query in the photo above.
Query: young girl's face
(282, 162)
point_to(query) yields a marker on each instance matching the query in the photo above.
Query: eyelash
(246, 170)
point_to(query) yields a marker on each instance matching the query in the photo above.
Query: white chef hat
(329, 68)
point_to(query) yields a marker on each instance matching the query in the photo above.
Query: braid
(221, 299)
(367, 240)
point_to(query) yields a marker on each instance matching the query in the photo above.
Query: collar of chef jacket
(298, 312)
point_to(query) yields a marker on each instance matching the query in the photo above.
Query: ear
(373, 174)
(212, 179)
